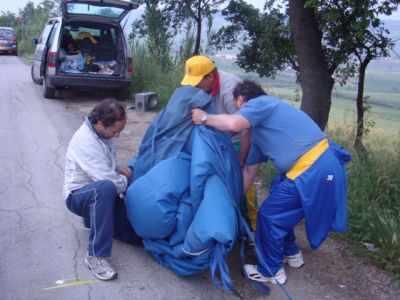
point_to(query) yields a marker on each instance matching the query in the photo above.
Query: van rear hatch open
(92, 49)
(97, 10)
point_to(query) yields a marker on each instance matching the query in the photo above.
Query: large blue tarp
(168, 134)
(186, 190)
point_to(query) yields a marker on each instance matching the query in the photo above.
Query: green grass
(26, 50)
(374, 201)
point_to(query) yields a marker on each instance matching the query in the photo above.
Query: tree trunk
(196, 50)
(358, 144)
(316, 80)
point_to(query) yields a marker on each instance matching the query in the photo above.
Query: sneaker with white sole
(100, 267)
(252, 273)
(295, 260)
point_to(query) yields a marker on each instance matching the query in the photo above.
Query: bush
(32, 29)
(373, 189)
(148, 75)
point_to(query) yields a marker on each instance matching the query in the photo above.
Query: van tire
(48, 92)
(35, 80)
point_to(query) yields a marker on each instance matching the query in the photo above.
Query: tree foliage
(32, 20)
(153, 28)
(345, 33)
(354, 35)
(265, 38)
(29, 21)
(276, 41)
(8, 19)
(180, 12)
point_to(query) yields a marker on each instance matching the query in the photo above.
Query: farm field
(382, 87)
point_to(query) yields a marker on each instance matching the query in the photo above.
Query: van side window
(53, 32)
(46, 32)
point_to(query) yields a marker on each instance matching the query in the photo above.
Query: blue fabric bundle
(169, 132)
(185, 205)
(156, 198)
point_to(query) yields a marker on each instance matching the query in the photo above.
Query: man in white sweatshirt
(94, 183)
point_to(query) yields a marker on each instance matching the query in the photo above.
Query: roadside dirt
(332, 272)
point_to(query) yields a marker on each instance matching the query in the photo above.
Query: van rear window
(88, 9)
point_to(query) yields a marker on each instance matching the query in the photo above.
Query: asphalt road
(42, 244)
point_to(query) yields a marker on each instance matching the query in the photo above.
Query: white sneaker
(252, 273)
(100, 267)
(294, 261)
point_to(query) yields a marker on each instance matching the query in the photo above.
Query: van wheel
(122, 95)
(35, 80)
(48, 92)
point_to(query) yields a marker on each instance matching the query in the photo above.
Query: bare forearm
(231, 123)
(223, 122)
(244, 146)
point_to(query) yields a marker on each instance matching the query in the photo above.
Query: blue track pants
(277, 216)
(105, 213)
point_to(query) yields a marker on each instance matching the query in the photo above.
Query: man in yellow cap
(201, 72)
(171, 128)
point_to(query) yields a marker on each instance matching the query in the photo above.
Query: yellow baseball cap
(83, 34)
(196, 68)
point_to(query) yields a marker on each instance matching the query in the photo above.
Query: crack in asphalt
(75, 257)
(27, 185)
(19, 209)
(19, 219)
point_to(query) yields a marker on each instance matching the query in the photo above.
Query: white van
(85, 48)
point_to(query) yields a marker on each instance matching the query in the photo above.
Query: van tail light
(52, 59)
(14, 39)
(130, 67)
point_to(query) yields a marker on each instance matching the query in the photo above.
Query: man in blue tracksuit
(311, 183)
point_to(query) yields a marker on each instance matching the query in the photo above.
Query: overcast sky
(14, 5)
